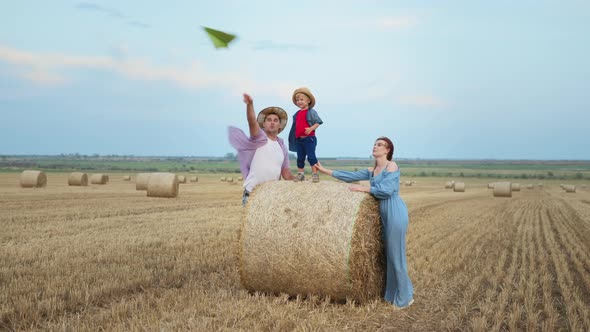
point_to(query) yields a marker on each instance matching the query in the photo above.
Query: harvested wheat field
(110, 258)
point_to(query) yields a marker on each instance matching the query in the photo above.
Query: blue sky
(442, 79)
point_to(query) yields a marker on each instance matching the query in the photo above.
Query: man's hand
(247, 99)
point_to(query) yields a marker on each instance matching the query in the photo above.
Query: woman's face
(380, 148)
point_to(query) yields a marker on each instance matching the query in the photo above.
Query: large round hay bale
(181, 178)
(126, 177)
(78, 179)
(569, 188)
(99, 179)
(194, 179)
(162, 185)
(459, 187)
(449, 185)
(502, 189)
(141, 181)
(516, 187)
(337, 251)
(491, 185)
(33, 179)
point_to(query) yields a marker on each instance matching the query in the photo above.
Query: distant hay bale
(162, 185)
(77, 179)
(449, 185)
(502, 189)
(222, 179)
(241, 178)
(516, 187)
(569, 188)
(194, 179)
(141, 181)
(181, 178)
(459, 187)
(33, 179)
(230, 179)
(126, 177)
(530, 186)
(491, 185)
(99, 179)
(583, 186)
(408, 183)
(540, 185)
(337, 252)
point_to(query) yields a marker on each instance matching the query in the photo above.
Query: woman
(384, 179)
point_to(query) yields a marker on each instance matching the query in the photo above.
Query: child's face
(302, 101)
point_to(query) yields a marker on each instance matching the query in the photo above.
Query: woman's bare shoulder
(392, 166)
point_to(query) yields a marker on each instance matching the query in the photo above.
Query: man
(263, 156)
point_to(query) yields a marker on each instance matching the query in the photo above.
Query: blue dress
(394, 216)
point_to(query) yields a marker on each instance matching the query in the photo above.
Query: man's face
(272, 124)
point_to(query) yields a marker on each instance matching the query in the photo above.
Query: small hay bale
(241, 178)
(181, 178)
(194, 179)
(141, 181)
(583, 186)
(530, 186)
(502, 189)
(126, 177)
(33, 179)
(99, 179)
(569, 188)
(162, 185)
(540, 185)
(449, 185)
(459, 187)
(516, 187)
(337, 252)
(222, 179)
(408, 183)
(78, 179)
(491, 185)
(230, 179)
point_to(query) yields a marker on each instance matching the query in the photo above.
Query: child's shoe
(299, 177)
(315, 177)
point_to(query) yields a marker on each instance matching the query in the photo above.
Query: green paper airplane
(219, 38)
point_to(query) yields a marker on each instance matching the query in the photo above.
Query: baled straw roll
(181, 178)
(459, 187)
(194, 179)
(449, 185)
(408, 183)
(77, 179)
(141, 181)
(33, 179)
(337, 251)
(491, 185)
(222, 179)
(162, 185)
(99, 179)
(502, 189)
(569, 188)
(516, 187)
(126, 177)
(230, 179)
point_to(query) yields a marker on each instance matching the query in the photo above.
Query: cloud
(270, 45)
(53, 69)
(396, 22)
(110, 12)
(422, 101)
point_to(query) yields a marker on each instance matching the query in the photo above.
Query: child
(302, 138)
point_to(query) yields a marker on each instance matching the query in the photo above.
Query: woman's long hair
(389, 145)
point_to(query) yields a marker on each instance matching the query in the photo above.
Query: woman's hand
(359, 188)
(322, 169)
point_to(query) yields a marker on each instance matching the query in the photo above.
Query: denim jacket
(312, 118)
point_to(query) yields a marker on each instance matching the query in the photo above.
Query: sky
(442, 79)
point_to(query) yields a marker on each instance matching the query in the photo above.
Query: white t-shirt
(266, 165)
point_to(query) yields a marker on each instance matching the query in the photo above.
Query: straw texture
(459, 187)
(335, 251)
(78, 179)
(33, 179)
(141, 181)
(99, 179)
(502, 189)
(162, 185)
